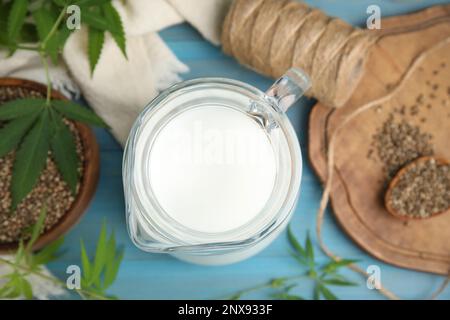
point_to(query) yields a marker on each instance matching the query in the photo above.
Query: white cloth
(120, 87)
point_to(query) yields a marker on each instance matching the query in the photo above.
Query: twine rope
(271, 36)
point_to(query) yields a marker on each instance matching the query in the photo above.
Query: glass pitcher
(218, 211)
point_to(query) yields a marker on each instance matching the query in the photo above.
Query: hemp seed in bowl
(420, 190)
(50, 189)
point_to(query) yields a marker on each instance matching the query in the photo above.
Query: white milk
(212, 169)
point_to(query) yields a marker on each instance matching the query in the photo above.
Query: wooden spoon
(395, 181)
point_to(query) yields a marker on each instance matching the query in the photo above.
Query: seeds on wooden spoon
(420, 189)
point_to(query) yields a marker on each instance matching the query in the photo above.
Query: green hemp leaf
(34, 129)
(16, 283)
(100, 272)
(97, 276)
(322, 276)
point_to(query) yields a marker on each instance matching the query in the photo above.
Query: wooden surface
(152, 276)
(90, 173)
(359, 186)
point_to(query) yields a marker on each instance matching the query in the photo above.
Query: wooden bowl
(396, 179)
(88, 182)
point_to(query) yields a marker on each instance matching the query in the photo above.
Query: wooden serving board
(359, 181)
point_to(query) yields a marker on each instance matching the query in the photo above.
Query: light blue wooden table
(153, 276)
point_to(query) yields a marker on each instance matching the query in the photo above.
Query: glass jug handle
(289, 88)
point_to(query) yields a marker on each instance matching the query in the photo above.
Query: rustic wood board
(360, 180)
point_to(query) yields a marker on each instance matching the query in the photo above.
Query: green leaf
(56, 44)
(89, 3)
(95, 21)
(334, 265)
(30, 160)
(45, 20)
(100, 255)
(37, 229)
(62, 3)
(13, 132)
(327, 294)
(309, 250)
(12, 288)
(295, 244)
(16, 18)
(49, 253)
(61, 37)
(96, 38)
(97, 284)
(64, 152)
(20, 108)
(6, 290)
(16, 287)
(299, 258)
(85, 263)
(20, 253)
(111, 270)
(28, 34)
(111, 248)
(277, 282)
(114, 20)
(25, 288)
(102, 272)
(337, 281)
(4, 14)
(316, 292)
(288, 288)
(76, 112)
